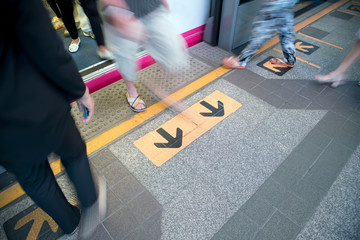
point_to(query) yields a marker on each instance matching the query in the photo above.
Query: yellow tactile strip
(111, 107)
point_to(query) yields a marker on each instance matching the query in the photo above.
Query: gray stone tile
(349, 140)
(292, 169)
(258, 210)
(351, 128)
(328, 97)
(271, 84)
(243, 83)
(144, 206)
(103, 159)
(138, 234)
(153, 225)
(262, 236)
(100, 233)
(309, 150)
(296, 209)
(314, 32)
(330, 124)
(308, 93)
(341, 15)
(238, 227)
(275, 100)
(260, 92)
(299, 101)
(292, 85)
(127, 189)
(344, 107)
(284, 93)
(272, 191)
(317, 138)
(120, 224)
(114, 172)
(113, 203)
(333, 158)
(280, 227)
(244, 74)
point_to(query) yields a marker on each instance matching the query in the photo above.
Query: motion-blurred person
(337, 77)
(91, 11)
(38, 80)
(275, 15)
(130, 23)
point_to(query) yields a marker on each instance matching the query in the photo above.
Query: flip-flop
(133, 102)
(232, 62)
(281, 62)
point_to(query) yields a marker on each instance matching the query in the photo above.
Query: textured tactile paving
(111, 107)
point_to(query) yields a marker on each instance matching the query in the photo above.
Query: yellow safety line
(15, 191)
(349, 13)
(109, 136)
(303, 24)
(320, 41)
(300, 59)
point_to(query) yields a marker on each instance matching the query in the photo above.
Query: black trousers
(39, 183)
(54, 7)
(90, 10)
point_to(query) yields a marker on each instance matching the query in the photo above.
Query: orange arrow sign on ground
(39, 217)
(302, 47)
(355, 8)
(273, 66)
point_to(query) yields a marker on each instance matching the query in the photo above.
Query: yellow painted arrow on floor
(302, 47)
(355, 8)
(273, 66)
(39, 217)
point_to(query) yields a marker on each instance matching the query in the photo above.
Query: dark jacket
(38, 78)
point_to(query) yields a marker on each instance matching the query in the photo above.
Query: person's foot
(333, 78)
(232, 62)
(105, 55)
(91, 216)
(57, 23)
(74, 46)
(89, 34)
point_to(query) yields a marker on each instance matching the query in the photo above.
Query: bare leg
(337, 75)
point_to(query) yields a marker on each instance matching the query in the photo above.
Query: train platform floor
(259, 153)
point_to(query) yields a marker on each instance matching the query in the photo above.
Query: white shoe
(74, 47)
(91, 217)
(105, 55)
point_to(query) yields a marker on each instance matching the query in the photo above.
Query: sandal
(281, 62)
(133, 102)
(74, 47)
(232, 62)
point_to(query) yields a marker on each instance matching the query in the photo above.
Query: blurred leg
(40, 185)
(67, 10)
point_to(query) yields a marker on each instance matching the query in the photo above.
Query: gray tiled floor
(286, 165)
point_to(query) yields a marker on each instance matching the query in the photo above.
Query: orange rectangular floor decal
(170, 138)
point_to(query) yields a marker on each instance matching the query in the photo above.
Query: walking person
(274, 16)
(38, 81)
(133, 23)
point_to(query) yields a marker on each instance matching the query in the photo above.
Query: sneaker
(89, 34)
(72, 236)
(91, 216)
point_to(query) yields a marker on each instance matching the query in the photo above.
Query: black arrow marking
(172, 142)
(215, 112)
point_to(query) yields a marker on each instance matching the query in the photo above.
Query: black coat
(38, 79)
